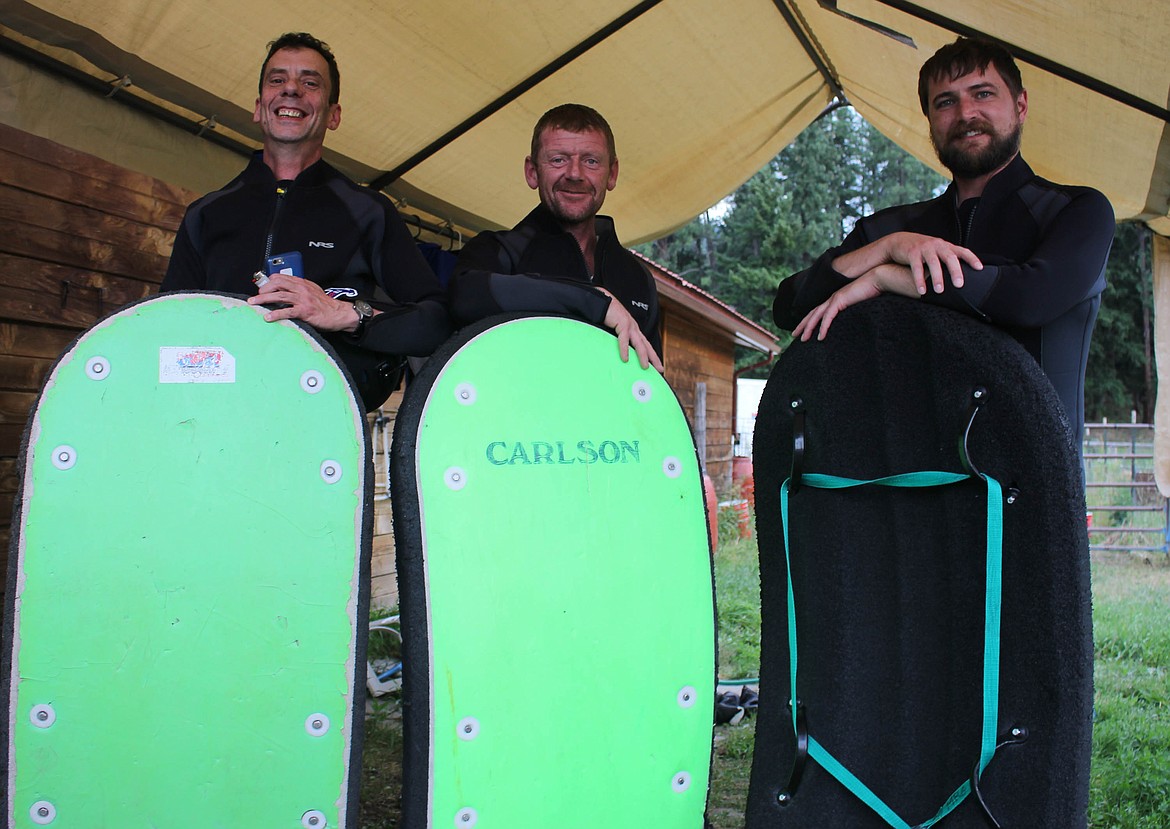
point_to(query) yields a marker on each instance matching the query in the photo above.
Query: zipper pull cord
(281, 192)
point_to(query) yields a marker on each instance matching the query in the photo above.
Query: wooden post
(1161, 274)
(701, 424)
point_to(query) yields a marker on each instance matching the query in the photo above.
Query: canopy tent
(439, 98)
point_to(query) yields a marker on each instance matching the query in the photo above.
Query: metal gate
(1125, 509)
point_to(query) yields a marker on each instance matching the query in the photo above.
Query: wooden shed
(80, 237)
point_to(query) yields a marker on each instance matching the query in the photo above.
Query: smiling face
(572, 172)
(293, 107)
(975, 122)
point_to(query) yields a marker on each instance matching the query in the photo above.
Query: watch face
(363, 308)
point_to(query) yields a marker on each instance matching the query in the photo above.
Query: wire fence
(1125, 510)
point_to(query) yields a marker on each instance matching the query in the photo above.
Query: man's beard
(966, 164)
(572, 215)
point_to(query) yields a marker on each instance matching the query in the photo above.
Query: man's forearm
(862, 260)
(416, 329)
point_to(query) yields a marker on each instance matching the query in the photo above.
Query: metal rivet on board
(64, 457)
(312, 381)
(642, 391)
(317, 725)
(672, 467)
(465, 394)
(681, 781)
(43, 813)
(468, 728)
(97, 368)
(42, 716)
(314, 819)
(455, 478)
(466, 818)
(330, 471)
(687, 696)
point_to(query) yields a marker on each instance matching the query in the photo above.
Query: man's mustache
(977, 125)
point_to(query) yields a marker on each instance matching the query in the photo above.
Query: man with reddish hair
(564, 258)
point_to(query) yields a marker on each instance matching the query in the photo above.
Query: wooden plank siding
(80, 238)
(383, 571)
(694, 356)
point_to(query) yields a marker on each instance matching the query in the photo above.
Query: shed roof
(712, 310)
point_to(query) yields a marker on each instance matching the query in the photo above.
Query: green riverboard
(556, 588)
(187, 568)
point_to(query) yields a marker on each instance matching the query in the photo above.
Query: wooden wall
(79, 238)
(694, 356)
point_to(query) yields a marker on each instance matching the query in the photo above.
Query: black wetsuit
(537, 266)
(353, 244)
(1043, 247)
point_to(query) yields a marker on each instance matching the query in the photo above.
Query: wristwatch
(364, 312)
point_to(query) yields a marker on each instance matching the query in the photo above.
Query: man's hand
(884, 279)
(629, 334)
(305, 301)
(929, 253)
(920, 253)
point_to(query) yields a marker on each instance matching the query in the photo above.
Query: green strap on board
(991, 635)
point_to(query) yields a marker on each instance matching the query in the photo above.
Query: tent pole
(814, 54)
(1039, 61)
(512, 94)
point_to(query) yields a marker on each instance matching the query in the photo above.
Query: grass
(730, 771)
(1131, 735)
(737, 586)
(1131, 739)
(381, 767)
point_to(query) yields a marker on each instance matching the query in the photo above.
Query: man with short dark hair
(365, 285)
(564, 258)
(1022, 253)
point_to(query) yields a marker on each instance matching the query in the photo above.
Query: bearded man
(1021, 253)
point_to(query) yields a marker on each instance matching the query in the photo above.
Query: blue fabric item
(441, 260)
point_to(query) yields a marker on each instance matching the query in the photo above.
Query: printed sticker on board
(195, 364)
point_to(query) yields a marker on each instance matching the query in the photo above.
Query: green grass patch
(730, 770)
(737, 591)
(381, 797)
(1131, 732)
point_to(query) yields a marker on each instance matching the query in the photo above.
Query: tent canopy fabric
(439, 98)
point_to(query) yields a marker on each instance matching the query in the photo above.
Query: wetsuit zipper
(965, 233)
(282, 189)
(592, 274)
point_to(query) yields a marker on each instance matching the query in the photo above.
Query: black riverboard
(889, 584)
